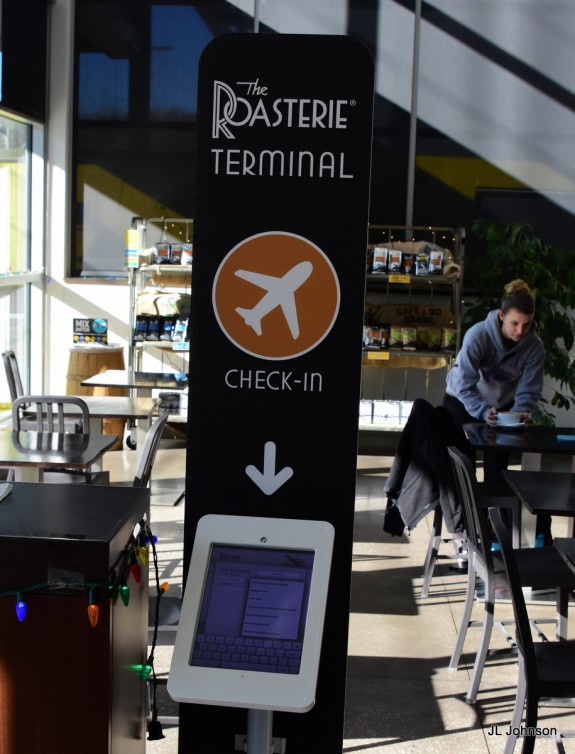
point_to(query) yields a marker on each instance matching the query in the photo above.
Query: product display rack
(163, 278)
(393, 377)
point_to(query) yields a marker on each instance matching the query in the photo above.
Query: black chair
(539, 568)
(545, 669)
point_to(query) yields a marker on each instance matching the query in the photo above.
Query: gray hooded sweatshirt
(492, 372)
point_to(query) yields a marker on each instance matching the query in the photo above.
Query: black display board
(280, 234)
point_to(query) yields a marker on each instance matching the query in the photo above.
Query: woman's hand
(491, 417)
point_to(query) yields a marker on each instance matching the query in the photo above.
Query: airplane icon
(280, 292)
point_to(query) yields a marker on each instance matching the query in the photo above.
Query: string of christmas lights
(155, 732)
(129, 564)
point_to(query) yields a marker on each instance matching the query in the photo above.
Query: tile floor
(401, 697)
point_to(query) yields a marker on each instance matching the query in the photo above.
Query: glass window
(137, 64)
(15, 244)
(494, 111)
(105, 88)
(178, 37)
(15, 142)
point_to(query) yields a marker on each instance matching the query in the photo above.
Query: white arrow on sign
(269, 481)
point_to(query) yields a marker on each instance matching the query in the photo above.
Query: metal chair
(539, 568)
(545, 669)
(50, 413)
(436, 538)
(12, 375)
(458, 540)
(144, 468)
(14, 381)
(54, 413)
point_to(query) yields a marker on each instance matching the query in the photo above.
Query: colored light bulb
(145, 672)
(136, 572)
(125, 594)
(93, 614)
(164, 586)
(21, 609)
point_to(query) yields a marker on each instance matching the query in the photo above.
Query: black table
(138, 409)
(566, 548)
(45, 518)
(534, 443)
(52, 535)
(142, 382)
(31, 452)
(527, 439)
(551, 492)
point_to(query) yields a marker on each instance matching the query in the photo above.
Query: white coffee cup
(508, 418)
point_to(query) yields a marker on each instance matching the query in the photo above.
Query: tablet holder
(252, 619)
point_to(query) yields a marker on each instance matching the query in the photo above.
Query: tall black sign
(280, 234)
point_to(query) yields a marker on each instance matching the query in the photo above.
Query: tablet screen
(253, 609)
(251, 626)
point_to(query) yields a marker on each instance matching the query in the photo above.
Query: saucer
(517, 425)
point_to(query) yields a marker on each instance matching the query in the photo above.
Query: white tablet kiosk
(251, 625)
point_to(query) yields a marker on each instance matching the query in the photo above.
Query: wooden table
(32, 452)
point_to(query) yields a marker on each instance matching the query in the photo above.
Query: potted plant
(509, 251)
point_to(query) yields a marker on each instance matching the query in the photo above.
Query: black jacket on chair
(421, 476)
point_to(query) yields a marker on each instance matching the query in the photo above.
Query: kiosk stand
(260, 724)
(251, 626)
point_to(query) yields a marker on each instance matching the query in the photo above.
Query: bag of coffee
(379, 259)
(395, 336)
(409, 264)
(435, 262)
(448, 339)
(409, 338)
(372, 337)
(422, 264)
(394, 262)
(161, 253)
(167, 329)
(153, 328)
(140, 329)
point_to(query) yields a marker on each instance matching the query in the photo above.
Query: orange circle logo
(276, 295)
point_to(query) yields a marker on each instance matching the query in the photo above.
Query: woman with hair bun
(499, 368)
